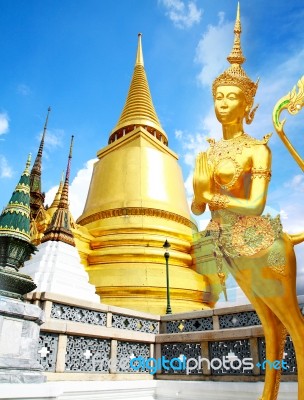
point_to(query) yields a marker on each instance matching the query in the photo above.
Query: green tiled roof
(15, 218)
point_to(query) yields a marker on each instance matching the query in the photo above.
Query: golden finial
(236, 55)
(56, 201)
(139, 55)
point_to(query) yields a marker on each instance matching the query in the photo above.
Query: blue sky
(78, 56)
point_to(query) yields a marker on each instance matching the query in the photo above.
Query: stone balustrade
(90, 341)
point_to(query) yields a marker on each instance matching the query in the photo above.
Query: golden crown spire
(139, 109)
(235, 75)
(236, 55)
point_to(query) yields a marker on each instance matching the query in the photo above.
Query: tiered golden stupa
(135, 202)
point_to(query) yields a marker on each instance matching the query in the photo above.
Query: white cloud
(213, 48)
(290, 206)
(211, 126)
(278, 82)
(193, 143)
(53, 138)
(50, 194)
(23, 89)
(78, 189)
(296, 183)
(4, 123)
(5, 169)
(178, 134)
(189, 185)
(283, 214)
(183, 14)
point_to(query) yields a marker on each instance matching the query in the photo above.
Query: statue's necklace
(223, 154)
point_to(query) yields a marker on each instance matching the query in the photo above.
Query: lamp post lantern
(167, 255)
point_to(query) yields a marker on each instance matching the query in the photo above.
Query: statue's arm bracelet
(261, 173)
(218, 202)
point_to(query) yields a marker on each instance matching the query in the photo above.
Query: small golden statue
(232, 177)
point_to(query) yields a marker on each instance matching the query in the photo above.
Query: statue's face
(230, 105)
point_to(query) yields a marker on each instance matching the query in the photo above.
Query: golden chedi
(135, 202)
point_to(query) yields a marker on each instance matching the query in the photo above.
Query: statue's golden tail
(297, 238)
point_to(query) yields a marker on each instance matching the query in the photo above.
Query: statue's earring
(249, 115)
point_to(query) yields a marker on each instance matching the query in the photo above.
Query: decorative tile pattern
(85, 354)
(190, 325)
(181, 351)
(234, 353)
(47, 350)
(134, 324)
(126, 351)
(289, 356)
(78, 314)
(237, 320)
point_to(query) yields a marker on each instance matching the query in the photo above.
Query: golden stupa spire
(56, 201)
(59, 228)
(139, 109)
(139, 55)
(236, 55)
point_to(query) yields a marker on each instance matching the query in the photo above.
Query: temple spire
(64, 199)
(15, 218)
(59, 228)
(139, 109)
(37, 197)
(15, 244)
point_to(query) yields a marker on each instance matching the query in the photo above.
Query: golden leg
(274, 335)
(273, 295)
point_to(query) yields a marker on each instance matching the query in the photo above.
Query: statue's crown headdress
(235, 75)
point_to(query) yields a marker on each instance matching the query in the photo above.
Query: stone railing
(233, 332)
(89, 341)
(92, 339)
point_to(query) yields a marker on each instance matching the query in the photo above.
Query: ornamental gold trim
(137, 211)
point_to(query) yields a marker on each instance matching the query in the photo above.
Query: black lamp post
(167, 255)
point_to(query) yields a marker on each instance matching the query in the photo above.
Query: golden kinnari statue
(232, 177)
